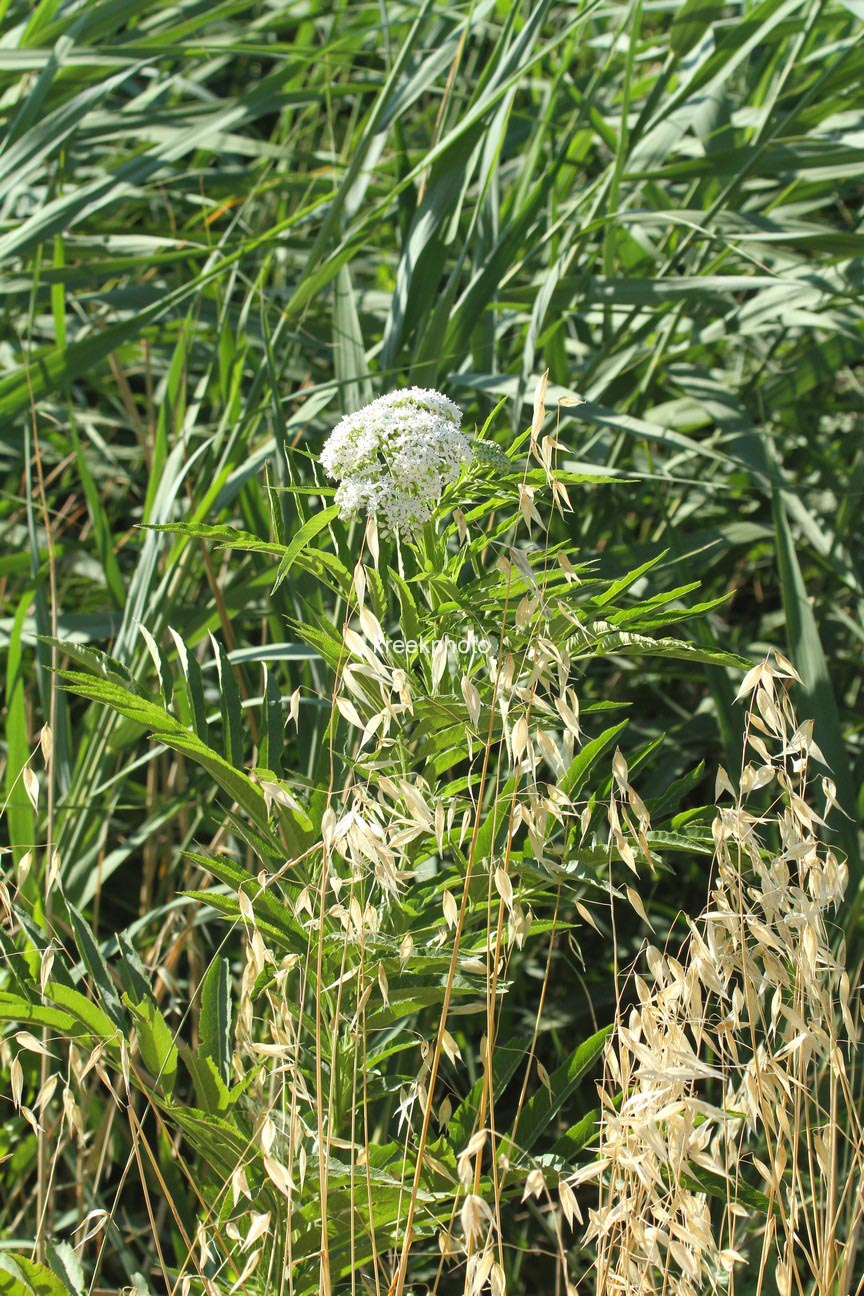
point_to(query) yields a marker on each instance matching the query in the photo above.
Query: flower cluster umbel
(394, 457)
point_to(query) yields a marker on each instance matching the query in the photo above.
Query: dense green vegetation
(221, 227)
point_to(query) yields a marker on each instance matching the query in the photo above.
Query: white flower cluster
(395, 456)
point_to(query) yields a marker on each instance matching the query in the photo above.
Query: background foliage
(221, 226)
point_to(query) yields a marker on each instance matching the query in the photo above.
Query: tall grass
(220, 228)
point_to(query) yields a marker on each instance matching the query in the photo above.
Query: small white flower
(395, 456)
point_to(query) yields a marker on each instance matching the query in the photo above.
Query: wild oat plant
(731, 1133)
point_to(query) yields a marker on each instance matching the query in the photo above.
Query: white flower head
(395, 456)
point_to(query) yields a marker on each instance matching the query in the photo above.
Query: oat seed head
(732, 1063)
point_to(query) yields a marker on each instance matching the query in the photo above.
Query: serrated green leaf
(85, 1013)
(20, 1275)
(96, 965)
(13, 1008)
(232, 711)
(541, 1109)
(584, 761)
(155, 1042)
(298, 542)
(169, 730)
(214, 1022)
